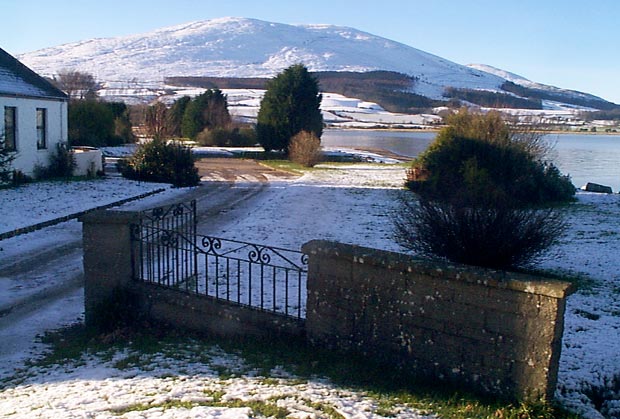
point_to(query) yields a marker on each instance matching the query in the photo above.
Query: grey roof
(18, 80)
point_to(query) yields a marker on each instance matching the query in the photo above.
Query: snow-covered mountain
(239, 47)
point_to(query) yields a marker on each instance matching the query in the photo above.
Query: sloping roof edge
(20, 70)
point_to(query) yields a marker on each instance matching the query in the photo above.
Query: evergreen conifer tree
(208, 110)
(91, 123)
(175, 115)
(6, 158)
(290, 105)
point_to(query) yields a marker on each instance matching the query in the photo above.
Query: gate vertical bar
(194, 241)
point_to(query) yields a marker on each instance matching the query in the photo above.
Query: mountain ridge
(242, 47)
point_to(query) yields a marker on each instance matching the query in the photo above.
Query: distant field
(387, 88)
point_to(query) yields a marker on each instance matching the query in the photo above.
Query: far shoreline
(437, 129)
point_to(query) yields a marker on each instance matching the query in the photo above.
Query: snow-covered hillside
(239, 47)
(522, 81)
(515, 78)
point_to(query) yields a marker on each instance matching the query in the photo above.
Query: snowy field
(43, 201)
(350, 204)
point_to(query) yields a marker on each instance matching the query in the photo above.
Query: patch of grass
(259, 408)
(344, 164)
(269, 381)
(329, 411)
(385, 412)
(459, 406)
(131, 361)
(224, 373)
(582, 283)
(298, 169)
(170, 404)
(216, 395)
(287, 166)
(69, 345)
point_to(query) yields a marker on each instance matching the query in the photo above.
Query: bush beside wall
(160, 161)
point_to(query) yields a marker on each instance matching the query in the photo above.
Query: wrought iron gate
(165, 265)
(168, 252)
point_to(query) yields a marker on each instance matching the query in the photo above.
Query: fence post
(107, 259)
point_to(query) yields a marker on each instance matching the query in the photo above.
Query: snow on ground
(344, 203)
(49, 200)
(133, 384)
(17, 345)
(590, 357)
(350, 204)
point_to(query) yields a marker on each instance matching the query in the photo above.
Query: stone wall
(208, 315)
(495, 332)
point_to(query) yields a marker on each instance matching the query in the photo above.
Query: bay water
(584, 157)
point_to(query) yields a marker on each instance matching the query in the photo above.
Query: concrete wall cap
(110, 217)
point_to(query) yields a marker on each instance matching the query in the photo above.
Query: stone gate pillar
(107, 258)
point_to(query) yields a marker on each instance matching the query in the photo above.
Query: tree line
(93, 122)
(291, 104)
(577, 98)
(492, 99)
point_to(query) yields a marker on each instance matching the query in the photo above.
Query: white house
(33, 116)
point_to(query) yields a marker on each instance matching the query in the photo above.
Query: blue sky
(572, 44)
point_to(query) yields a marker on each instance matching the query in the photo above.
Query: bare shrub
(305, 149)
(495, 236)
(211, 138)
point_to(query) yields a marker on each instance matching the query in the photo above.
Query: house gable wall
(28, 156)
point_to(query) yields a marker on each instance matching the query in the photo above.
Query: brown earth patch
(233, 170)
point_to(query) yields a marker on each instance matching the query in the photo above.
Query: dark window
(10, 128)
(41, 128)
